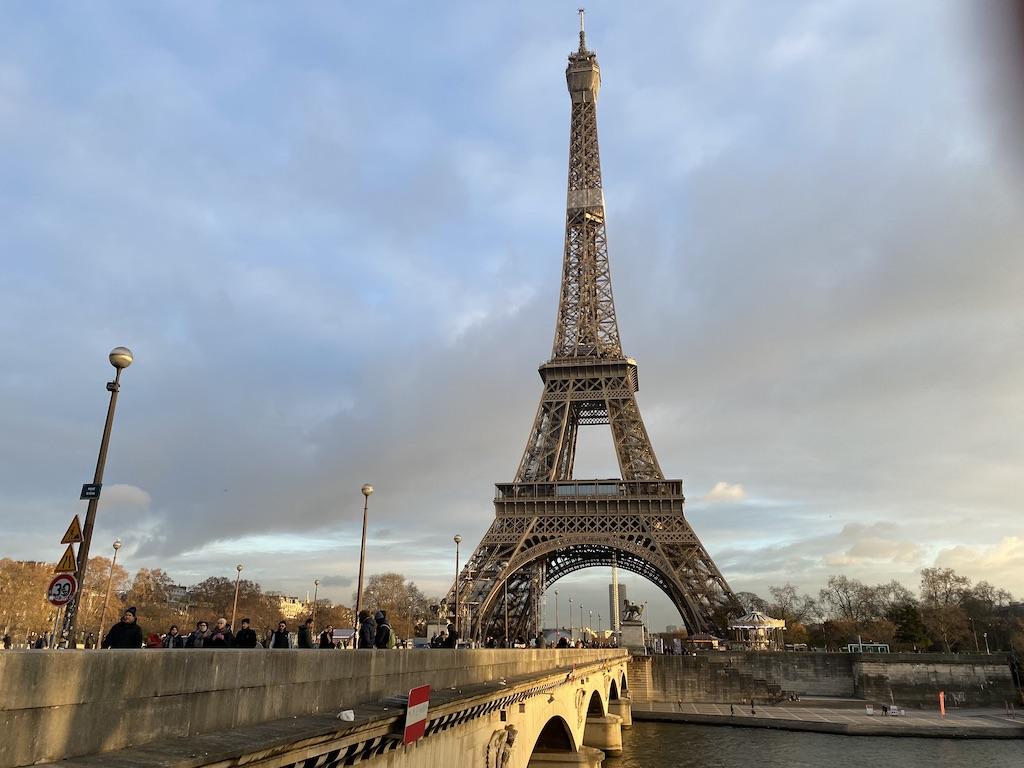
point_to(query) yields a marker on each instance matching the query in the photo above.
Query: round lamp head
(238, 567)
(316, 582)
(367, 489)
(458, 539)
(121, 357)
(117, 544)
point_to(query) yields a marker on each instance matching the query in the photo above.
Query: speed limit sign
(62, 588)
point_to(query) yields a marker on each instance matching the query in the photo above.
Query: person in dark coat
(199, 637)
(452, 641)
(367, 630)
(306, 634)
(222, 636)
(382, 638)
(126, 633)
(279, 638)
(173, 638)
(246, 637)
(327, 637)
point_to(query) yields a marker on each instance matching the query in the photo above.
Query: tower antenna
(583, 40)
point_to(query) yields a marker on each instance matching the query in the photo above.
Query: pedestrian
(199, 636)
(90, 641)
(384, 637)
(732, 710)
(452, 641)
(7, 641)
(306, 634)
(126, 633)
(246, 637)
(752, 706)
(367, 630)
(280, 638)
(222, 637)
(327, 637)
(173, 638)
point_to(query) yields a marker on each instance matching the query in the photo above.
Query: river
(668, 745)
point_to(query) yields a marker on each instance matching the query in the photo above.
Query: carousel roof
(756, 620)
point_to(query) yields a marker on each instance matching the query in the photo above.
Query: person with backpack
(385, 636)
(367, 630)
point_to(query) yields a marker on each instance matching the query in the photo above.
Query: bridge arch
(596, 707)
(555, 736)
(613, 691)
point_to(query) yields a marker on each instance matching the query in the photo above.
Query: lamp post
(591, 623)
(120, 358)
(571, 638)
(234, 608)
(106, 597)
(558, 634)
(504, 568)
(366, 490)
(985, 635)
(974, 631)
(316, 590)
(457, 540)
(582, 636)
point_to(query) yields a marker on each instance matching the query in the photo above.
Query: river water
(668, 745)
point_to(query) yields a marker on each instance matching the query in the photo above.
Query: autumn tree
(402, 601)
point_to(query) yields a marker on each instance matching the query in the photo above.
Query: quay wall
(910, 679)
(60, 704)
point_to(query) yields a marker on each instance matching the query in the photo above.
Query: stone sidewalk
(961, 724)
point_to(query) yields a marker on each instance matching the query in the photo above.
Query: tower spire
(583, 39)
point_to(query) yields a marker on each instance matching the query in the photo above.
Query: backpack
(392, 642)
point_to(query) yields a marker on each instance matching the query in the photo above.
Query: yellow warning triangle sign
(67, 563)
(74, 534)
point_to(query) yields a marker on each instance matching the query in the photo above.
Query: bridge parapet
(60, 704)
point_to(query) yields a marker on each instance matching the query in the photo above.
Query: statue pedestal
(632, 637)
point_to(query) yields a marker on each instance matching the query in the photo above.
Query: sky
(332, 235)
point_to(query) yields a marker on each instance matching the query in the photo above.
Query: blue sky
(332, 235)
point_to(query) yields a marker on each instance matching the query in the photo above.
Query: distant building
(672, 628)
(289, 606)
(177, 593)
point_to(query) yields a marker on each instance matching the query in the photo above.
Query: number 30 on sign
(62, 588)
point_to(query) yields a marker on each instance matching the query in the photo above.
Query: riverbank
(961, 724)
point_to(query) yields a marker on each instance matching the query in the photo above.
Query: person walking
(327, 637)
(126, 633)
(384, 637)
(7, 641)
(222, 636)
(246, 637)
(199, 636)
(367, 630)
(306, 634)
(279, 638)
(173, 638)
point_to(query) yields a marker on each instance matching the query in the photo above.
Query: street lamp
(110, 577)
(582, 636)
(366, 490)
(316, 589)
(557, 633)
(974, 631)
(120, 358)
(504, 567)
(985, 635)
(458, 540)
(571, 638)
(234, 608)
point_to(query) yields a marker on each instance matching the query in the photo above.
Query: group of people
(376, 632)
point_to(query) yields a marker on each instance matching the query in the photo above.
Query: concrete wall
(735, 676)
(915, 679)
(912, 678)
(57, 704)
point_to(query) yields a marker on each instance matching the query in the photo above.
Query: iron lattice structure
(546, 523)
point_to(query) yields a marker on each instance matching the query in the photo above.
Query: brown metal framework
(547, 524)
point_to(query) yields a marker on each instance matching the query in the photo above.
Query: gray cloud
(329, 279)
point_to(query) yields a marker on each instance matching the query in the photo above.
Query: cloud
(724, 491)
(127, 496)
(1001, 564)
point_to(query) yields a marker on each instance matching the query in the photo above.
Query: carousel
(758, 632)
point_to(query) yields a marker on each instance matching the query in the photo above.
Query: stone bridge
(280, 709)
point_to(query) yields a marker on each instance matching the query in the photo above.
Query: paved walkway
(975, 723)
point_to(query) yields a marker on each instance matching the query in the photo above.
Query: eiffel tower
(548, 524)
